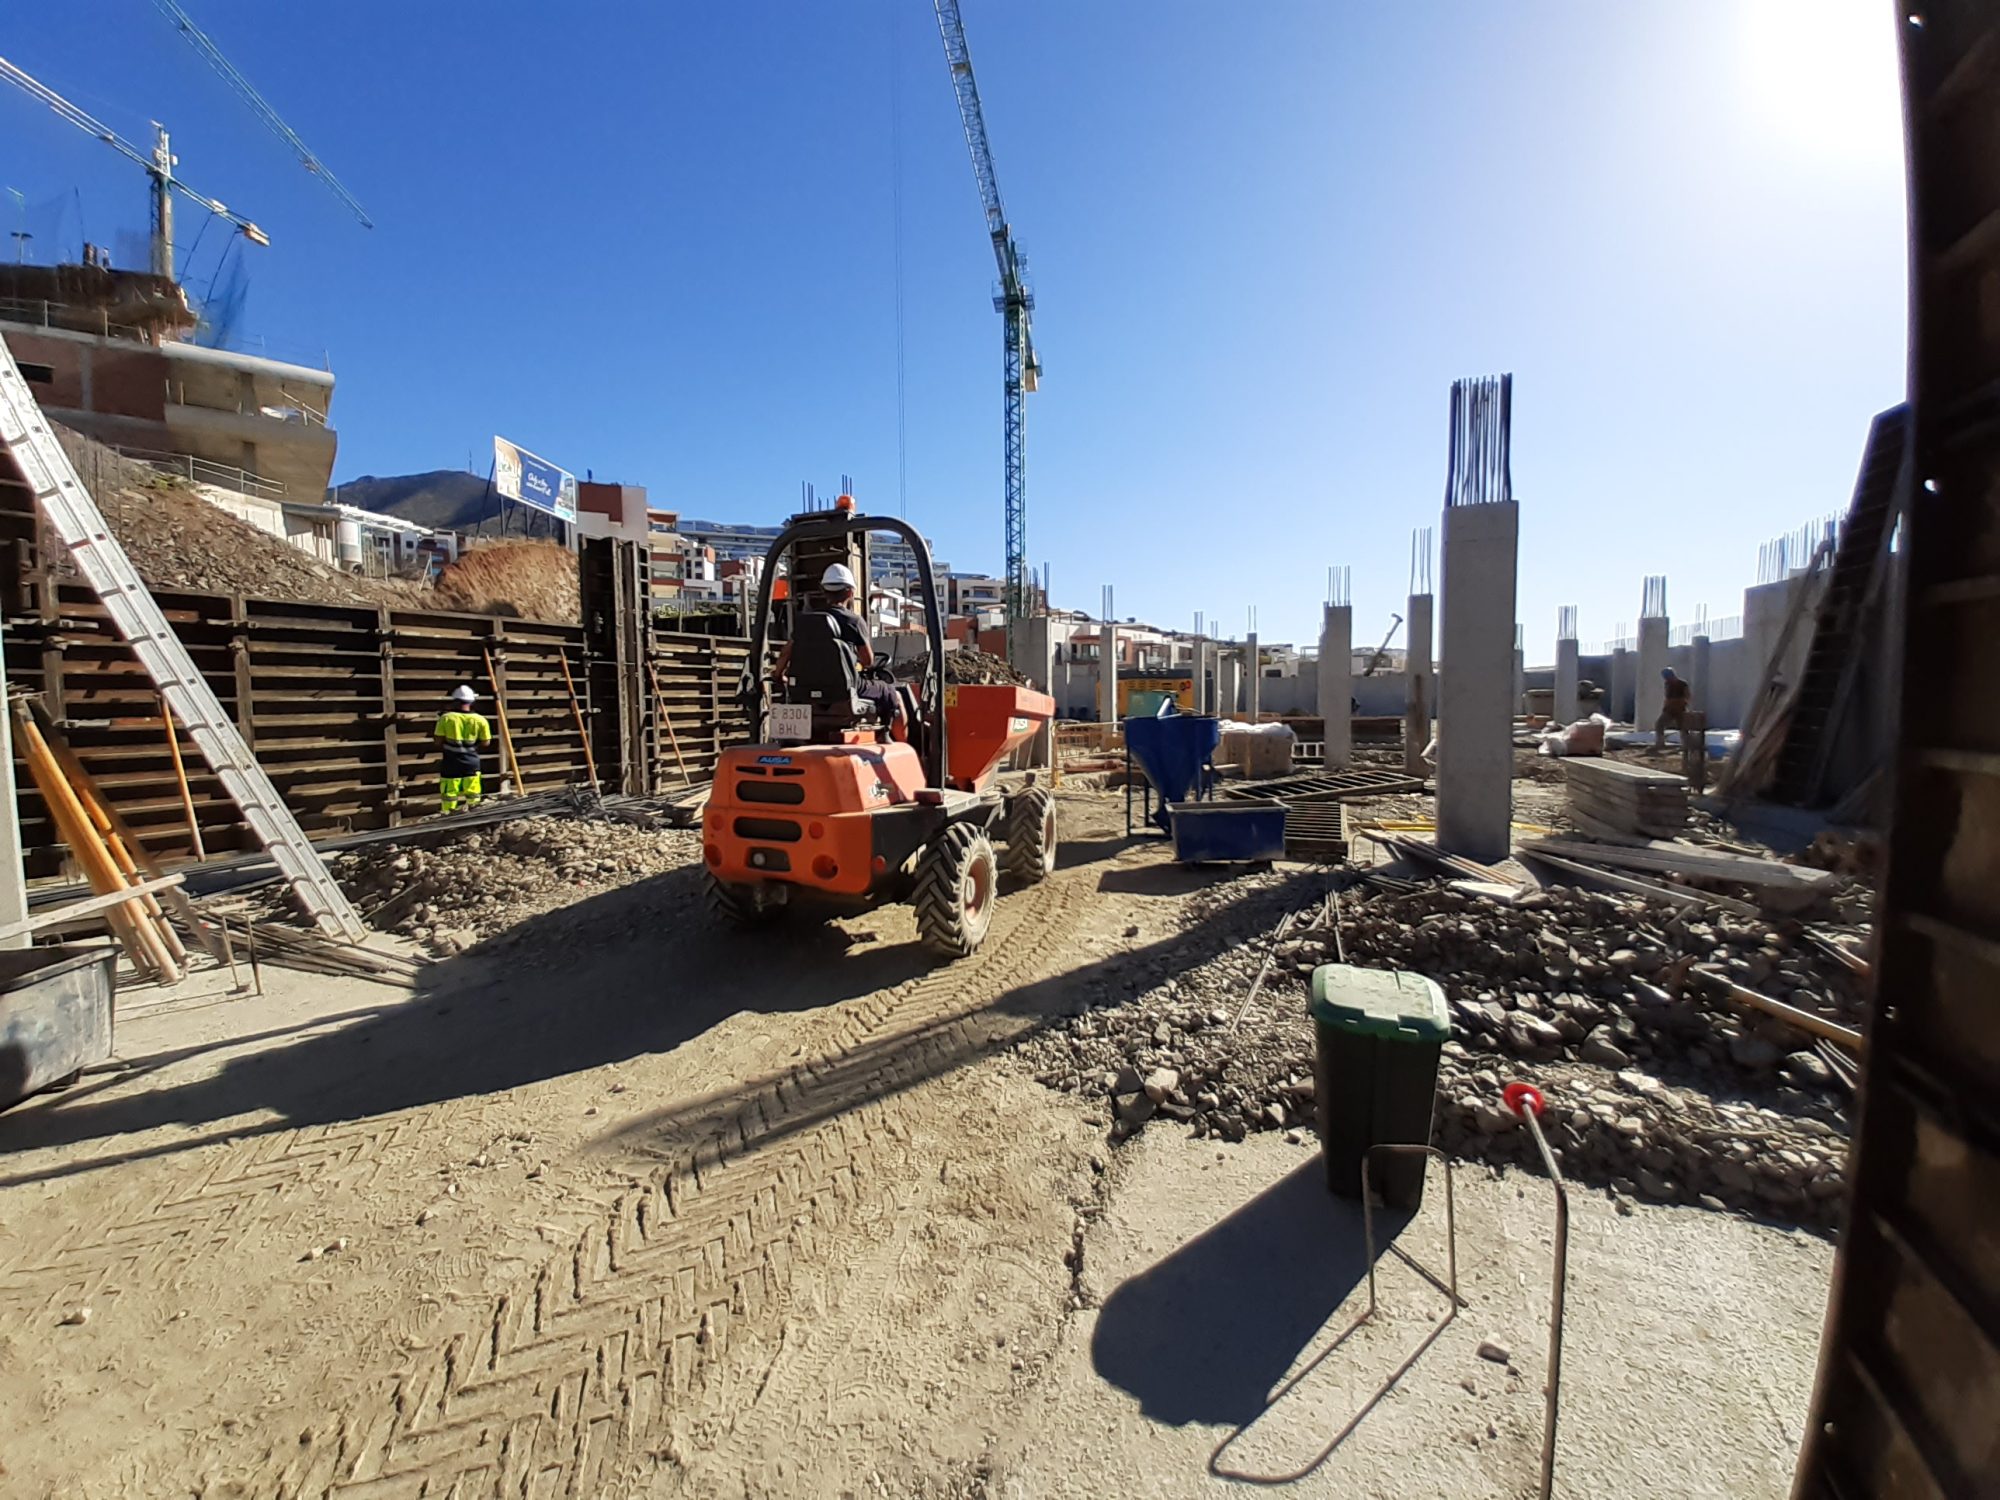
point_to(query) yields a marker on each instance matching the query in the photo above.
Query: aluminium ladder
(67, 506)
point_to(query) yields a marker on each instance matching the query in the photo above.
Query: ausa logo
(774, 760)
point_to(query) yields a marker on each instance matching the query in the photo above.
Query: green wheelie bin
(1378, 1036)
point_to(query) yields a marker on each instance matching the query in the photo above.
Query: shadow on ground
(636, 970)
(1206, 1334)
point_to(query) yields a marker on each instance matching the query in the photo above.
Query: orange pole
(506, 736)
(141, 941)
(576, 708)
(180, 775)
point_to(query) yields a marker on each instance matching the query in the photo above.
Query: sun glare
(1820, 75)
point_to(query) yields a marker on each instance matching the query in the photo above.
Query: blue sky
(659, 243)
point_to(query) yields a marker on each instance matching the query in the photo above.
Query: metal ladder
(68, 507)
(1853, 585)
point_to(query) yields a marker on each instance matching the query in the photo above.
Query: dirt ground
(619, 1204)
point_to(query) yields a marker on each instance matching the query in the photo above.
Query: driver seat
(824, 675)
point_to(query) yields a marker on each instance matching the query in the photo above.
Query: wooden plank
(1687, 859)
(93, 906)
(1791, 1015)
(1634, 885)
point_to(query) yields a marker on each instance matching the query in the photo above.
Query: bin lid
(1387, 1003)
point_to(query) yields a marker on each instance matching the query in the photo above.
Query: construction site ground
(615, 1202)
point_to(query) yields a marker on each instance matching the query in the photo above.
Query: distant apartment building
(971, 593)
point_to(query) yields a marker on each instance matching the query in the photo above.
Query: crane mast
(1021, 369)
(158, 164)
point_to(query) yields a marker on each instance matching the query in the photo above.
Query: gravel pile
(452, 895)
(1651, 1092)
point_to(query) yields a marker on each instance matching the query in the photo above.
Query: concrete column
(1031, 658)
(1475, 776)
(1650, 692)
(1618, 704)
(1198, 675)
(1107, 674)
(1520, 679)
(1336, 678)
(1228, 683)
(1420, 700)
(1563, 710)
(1698, 674)
(1253, 679)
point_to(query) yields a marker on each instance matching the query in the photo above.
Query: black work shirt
(847, 624)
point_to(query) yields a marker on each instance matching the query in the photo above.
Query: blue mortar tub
(1227, 832)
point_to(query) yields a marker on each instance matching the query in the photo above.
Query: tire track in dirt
(156, 1232)
(564, 1384)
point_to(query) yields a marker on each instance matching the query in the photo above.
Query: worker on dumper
(837, 583)
(461, 734)
(1673, 707)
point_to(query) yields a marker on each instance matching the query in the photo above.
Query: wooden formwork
(338, 701)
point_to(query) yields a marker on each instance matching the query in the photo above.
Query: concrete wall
(1382, 694)
(1765, 609)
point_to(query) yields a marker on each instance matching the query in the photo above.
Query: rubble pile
(1655, 1090)
(449, 896)
(969, 665)
(177, 540)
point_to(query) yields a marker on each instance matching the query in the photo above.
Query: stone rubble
(1653, 1092)
(449, 896)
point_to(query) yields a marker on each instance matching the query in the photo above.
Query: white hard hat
(462, 694)
(837, 577)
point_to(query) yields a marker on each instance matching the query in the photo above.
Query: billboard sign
(520, 475)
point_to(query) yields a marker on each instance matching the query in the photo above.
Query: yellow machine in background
(1140, 695)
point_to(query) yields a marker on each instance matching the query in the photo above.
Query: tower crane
(1021, 369)
(159, 166)
(205, 45)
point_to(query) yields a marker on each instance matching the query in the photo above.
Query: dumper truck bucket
(985, 721)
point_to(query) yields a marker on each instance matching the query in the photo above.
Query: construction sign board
(520, 475)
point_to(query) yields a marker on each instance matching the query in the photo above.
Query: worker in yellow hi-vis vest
(461, 734)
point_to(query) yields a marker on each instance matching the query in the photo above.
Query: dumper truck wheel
(1031, 836)
(956, 879)
(738, 905)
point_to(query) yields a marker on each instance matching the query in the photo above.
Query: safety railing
(204, 471)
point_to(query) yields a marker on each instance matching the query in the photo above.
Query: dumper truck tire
(1031, 836)
(957, 879)
(737, 905)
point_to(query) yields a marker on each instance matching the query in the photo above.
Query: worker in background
(460, 734)
(837, 583)
(1673, 707)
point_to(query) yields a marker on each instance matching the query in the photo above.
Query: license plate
(791, 721)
